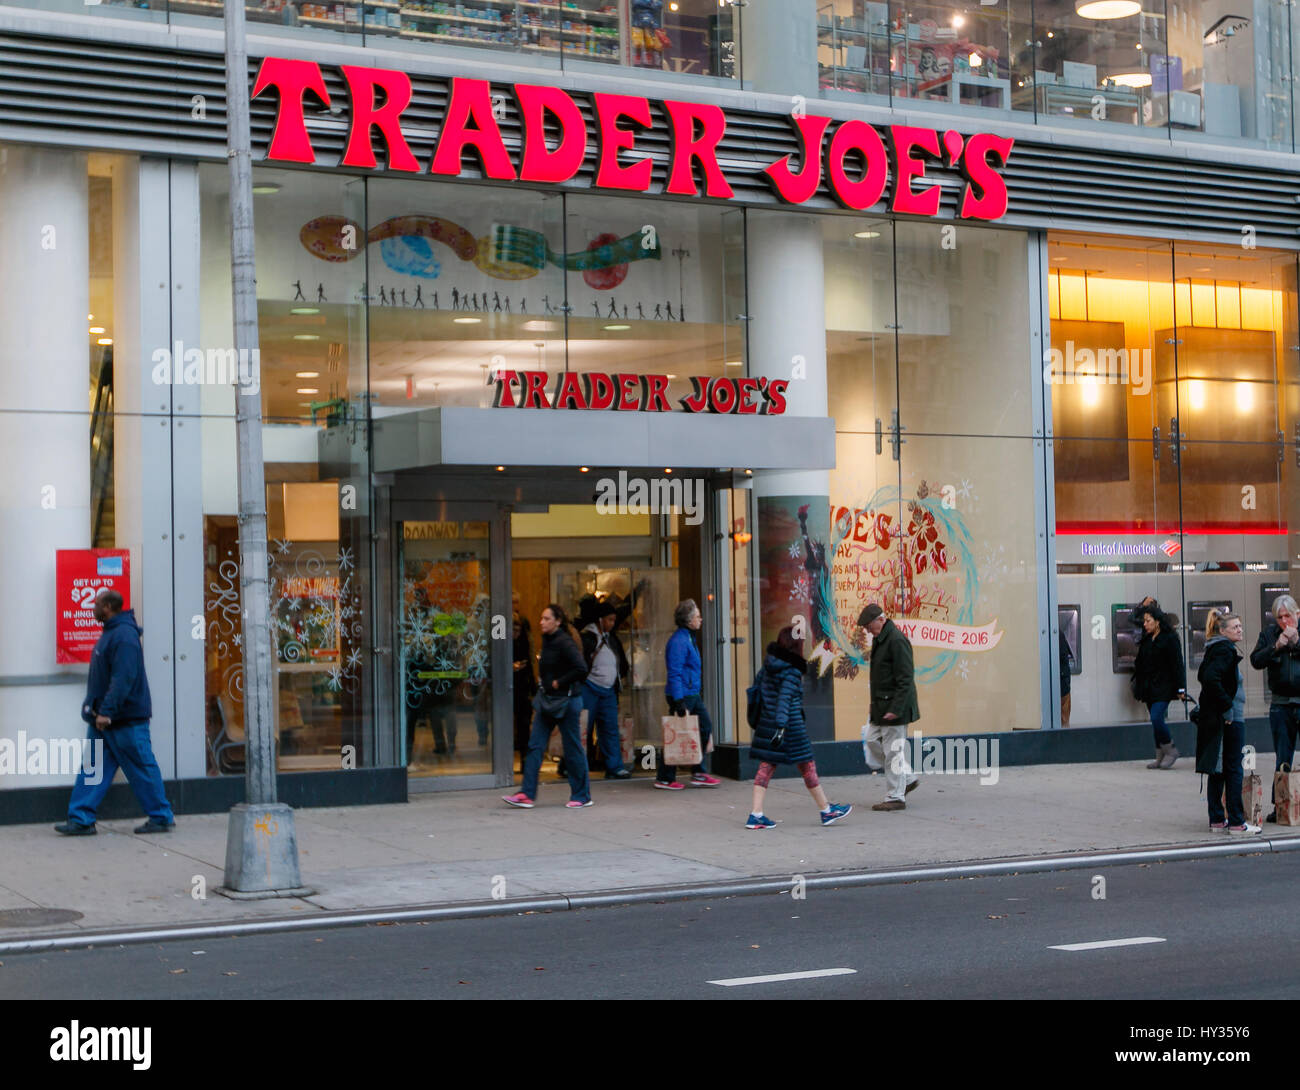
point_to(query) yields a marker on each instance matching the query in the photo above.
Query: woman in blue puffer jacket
(781, 737)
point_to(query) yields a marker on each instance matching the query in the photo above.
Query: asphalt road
(1227, 927)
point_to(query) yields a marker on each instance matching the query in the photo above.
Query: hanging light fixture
(1106, 9)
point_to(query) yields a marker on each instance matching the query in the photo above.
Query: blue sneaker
(835, 813)
(760, 821)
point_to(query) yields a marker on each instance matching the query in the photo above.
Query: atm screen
(1124, 637)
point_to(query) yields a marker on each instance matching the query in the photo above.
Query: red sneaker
(674, 786)
(522, 801)
(703, 779)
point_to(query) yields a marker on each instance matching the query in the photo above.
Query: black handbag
(551, 705)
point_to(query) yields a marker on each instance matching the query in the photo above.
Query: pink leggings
(807, 769)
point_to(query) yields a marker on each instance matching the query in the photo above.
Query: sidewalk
(462, 846)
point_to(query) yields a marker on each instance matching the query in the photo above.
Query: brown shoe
(890, 804)
(913, 786)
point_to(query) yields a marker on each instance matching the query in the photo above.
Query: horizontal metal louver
(112, 95)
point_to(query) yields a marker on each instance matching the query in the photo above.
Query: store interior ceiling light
(1106, 9)
(97, 329)
(304, 310)
(618, 327)
(866, 234)
(467, 321)
(306, 336)
(306, 374)
(264, 189)
(307, 390)
(104, 340)
(1131, 79)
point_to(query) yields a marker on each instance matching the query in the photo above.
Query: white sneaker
(1244, 830)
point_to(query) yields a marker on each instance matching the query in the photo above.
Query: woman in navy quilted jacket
(780, 737)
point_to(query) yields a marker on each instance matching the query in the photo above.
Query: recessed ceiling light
(616, 327)
(749, 473)
(734, 363)
(306, 374)
(667, 470)
(97, 329)
(104, 340)
(263, 189)
(307, 390)
(304, 310)
(1132, 79)
(501, 469)
(90, 317)
(583, 469)
(306, 336)
(670, 376)
(535, 325)
(866, 234)
(467, 321)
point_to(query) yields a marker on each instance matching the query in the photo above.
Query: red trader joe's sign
(79, 575)
(853, 160)
(746, 396)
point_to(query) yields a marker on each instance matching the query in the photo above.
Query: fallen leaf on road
(173, 972)
(539, 968)
(995, 917)
(753, 947)
(230, 972)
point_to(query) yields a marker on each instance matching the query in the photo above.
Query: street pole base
(264, 894)
(262, 852)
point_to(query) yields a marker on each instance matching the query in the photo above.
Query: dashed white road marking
(1105, 943)
(772, 978)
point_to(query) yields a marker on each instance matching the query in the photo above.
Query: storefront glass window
(472, 285)
(655, 288)
(680, 37)
(1168, 382)
(312, 380)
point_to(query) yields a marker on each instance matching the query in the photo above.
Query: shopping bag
(1286, 795)
(1252, 798)
(626, 745)
(555, 747)
(682, 740)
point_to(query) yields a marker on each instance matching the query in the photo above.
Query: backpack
(754, 700)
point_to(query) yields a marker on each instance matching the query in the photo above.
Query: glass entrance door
(444, 622)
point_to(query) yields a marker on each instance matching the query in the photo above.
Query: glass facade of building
(1033, 429)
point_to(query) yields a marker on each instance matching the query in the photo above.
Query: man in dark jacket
(606, 668)
(893, 704)
(117, 710)
(1278, 652)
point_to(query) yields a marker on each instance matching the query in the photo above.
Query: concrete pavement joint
(634, 895)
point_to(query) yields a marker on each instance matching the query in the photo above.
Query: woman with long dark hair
(556, 705)
(1159, 676)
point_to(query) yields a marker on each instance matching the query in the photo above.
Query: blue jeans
(1283, 722)
(694, 706)
(127, 748)
(1227, 784)
(1158, 712)
(575, 757)
(602, 721)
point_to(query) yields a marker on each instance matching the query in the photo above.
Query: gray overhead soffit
(560, 437)
(126, 96)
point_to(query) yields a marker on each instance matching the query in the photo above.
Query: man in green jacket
(893, 705)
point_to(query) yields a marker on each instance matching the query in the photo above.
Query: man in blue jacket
(117, 709)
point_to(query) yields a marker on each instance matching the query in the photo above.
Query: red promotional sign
(79, 575)
(554, 136)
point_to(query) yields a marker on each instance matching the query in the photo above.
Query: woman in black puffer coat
(780, 736)
(1158, 678)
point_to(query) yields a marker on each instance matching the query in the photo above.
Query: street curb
(641, 895)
